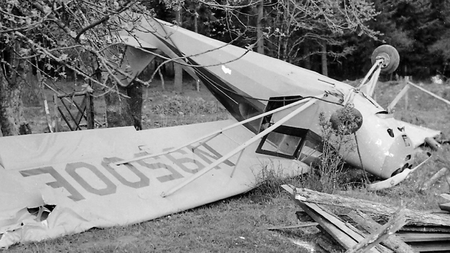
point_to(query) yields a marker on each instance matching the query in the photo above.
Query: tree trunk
(259, 28)
(178, 79)
(136, 100)
(122, 111)
(12, 76)
(307, 57)
(118, 109)
(324, 60)
(197, 8)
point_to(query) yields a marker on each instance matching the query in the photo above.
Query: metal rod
(430, 93)
(237, 162)
(397, 98)
(214, 134)
(310, 101)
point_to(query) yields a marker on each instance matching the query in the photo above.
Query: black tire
(390, 56)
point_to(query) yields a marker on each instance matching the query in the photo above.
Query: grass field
(239, 224)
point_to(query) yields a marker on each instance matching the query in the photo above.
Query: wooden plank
(414, 217)
(65, 119)
(426, 229)
(393, 242)
(445, 207)
(424, 237)
(80, 115)
(342, 238)
(345, 234)
(433, 179)
(397, 221)
(306, 224)
(336, 221)
(55, 112)
(73, 94)
(398, 97)
(90, 111)
(432, 246)
(70, 114)
(445, 195)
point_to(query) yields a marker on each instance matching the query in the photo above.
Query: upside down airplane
(63, 183)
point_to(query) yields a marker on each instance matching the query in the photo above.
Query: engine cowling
(346, 120)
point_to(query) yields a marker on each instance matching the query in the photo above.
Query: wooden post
(178, 78)
(259, 27)
(44, 99)
(55, 112)
(48, 117)
(89, 110)
(163, 86)
(433, 180)
(406, 93)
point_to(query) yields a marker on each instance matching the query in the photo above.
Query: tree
(293, 30)
(178, 79)
(417, 28)
(64, 33)
(11, 79)
(317, 25)
(441, 46)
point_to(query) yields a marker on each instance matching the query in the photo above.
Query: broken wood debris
(345, 234)
(396, 222)
(305, 224)
(402, 230)
(446, 206)
(445, 196)
(393, 241)
(433, 179)
(380, 212)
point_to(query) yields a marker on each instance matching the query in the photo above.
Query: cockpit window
(283, 142)
(287, 141)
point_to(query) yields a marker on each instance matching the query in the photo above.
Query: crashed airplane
(63, 183)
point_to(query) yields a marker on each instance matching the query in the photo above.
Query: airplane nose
(398, 157)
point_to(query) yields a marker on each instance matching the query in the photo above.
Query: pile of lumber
(445, 206)
(367, 226)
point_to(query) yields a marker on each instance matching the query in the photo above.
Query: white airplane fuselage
(248, 83)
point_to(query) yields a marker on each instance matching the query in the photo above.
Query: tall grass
(329, 172)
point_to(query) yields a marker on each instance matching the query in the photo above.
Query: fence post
(406, 94)
(90, 110)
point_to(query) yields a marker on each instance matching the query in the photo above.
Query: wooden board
(424, 237)
(445, 207)
(431, 246)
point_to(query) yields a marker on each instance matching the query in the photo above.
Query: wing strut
(309, 102)
(216, 133)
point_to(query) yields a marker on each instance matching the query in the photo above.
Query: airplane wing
(64, 183)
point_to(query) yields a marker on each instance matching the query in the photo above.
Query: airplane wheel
(390, 56)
